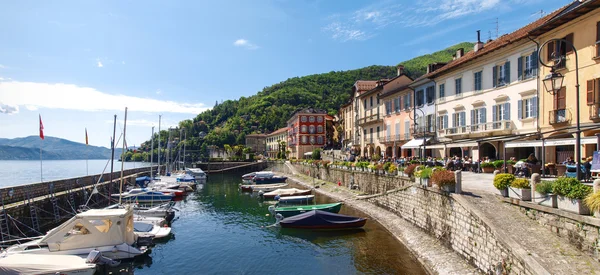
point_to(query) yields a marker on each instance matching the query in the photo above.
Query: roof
(570, 12)
(494, 45)
(278, 131)
(396, 90)
(328, 117)
(103, 212)
(365, 85)
(256, 135)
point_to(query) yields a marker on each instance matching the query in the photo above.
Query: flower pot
(545, 199)
(449, 188)
(560, 170)
(519, 193)
(572, 205)
(504, 192)
(425, 182)
(488, 169)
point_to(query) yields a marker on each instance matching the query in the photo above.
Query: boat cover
(318, 218)
(142, 227)
(41, 264)
(143, 181)
(285, 192)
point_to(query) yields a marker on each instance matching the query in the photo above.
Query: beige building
(277, 142)
(256, 142)
(346, 116)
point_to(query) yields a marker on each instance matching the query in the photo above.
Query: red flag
(86, 138)
(41, 128)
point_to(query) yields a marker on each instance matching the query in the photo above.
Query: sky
(78, 63)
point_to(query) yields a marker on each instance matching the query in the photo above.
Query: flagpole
(41, 139)
(159, 116)
(87, 171)
(123, 155)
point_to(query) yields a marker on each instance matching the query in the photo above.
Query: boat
(174, 192)
(186, 178)
(268, 179)
(263, 187)
(151, 220)
(156, 231)
(250, 176)
(164, 210)
(198, 174)
(284, 193)
(296, 199)
(110, 231)
(45, 264)
(142, 182)
(317, 219)
(144, 195)
(289, 211)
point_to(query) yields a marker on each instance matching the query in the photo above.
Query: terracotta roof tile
(278, 131)
(365, 84)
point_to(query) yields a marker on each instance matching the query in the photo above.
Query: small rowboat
(285, 193)
(317, 219)
(296, 210)
(263, 187)
(296, 199)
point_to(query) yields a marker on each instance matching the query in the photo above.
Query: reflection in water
(223, 231)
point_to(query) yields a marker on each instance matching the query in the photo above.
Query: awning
(308, 154)
(414, 144)
(550, 142)
(452, 145)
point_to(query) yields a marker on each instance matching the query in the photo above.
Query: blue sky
(77, 63)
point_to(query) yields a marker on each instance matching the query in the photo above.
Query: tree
(316, 154)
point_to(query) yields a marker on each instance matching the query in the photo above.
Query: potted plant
(424, 174)
(520, 189)
(593, 203)
(410, 170)
(543, 194)
(502, 182)
(400, 171)
(444, 180)
(386, 166)
(392, 169)
(379, 168)
(570, 193)
(487, 167)
(498, 164)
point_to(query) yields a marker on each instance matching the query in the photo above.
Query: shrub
(487, 165)
(562, 186)
(410, 170)
(544, 187)
(414, 162)
(376, 157)
(593, 201)
(520, 183)
(392, 169)
(511, 162)
(498, 163)
(424, 173)
(443, 178)
(579, 192)
(386, 166)
(372, 166)
(503, 181)
(316, 154)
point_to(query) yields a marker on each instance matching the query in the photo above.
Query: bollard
(496, 172)
(458, 179)
(597, 189)
(535, 179)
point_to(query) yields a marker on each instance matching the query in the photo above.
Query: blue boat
(268, 180)
(144, 195)
(142, 182)
(295, 199)
(318, 219)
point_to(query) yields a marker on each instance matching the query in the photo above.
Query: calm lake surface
(220, 230)
(18, 172)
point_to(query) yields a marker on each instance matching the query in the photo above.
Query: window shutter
(520, 109)
(534, 63)
(549, 51)
(463, 118)
(562, 98)
(568, 47)
(483, 113)
(445, 121)
(495, 113)
(507, 72)
(495, 76)
(520, 68)
(473, 117)
(506, 115)
(590, 92)
(534, 108)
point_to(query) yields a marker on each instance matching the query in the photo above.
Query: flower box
(519, 193)
(504, 192)
(572, 205)
(545, 199)
(449, 188)
(488, 169)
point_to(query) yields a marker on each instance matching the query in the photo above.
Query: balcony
(560, 116)
(370, 119)
(421, 131)
(369, 140)
(483, 129)
(594, 111)
(392, 138)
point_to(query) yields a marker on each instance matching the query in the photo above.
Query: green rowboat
(295, 210)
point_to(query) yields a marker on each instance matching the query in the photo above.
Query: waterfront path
(435, 257)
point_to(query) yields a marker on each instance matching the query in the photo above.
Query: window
(527, 108)
(320, 129)
(320, 140)
(397, 130)
(478, 116)
(598, 39)
(430, 94)
(442, 90)
(397, 104)
(312, 139)
(407, 101)
(303, 118)
(371, 130)
(560, 99)
(458, 119)
(319, 119)
(430, 123)
(458, 85)
(388, 107)
(593, 91)
(377, 131)
(559, 51)
(388, 132)
(419, 96)
(527, 66)
(406, 130)
(311, 119)
(311, 129)
(303, 129)
(365, 103)
(78, 229)
(477, 80)
(442, 122)
(501, 74)
(371, 101)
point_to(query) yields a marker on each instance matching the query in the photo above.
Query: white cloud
(245, 44)
(72, 97)
(99, 64)
(2, 66)
(8, 109)
(31, 107)
(344, 33)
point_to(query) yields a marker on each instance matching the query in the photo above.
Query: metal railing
(369, 119)
(594, 111)
(478, 128)
(559, 116)
(392, 138)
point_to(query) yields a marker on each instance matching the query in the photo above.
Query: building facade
(276, 142)
(396, 98)
(360, 87)
(257, 143)
(306, 132)
(423, 115)
(346, 116)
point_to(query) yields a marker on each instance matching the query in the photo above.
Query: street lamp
(553, 83)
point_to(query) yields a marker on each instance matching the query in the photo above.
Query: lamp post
(414, 118)
(553, 83)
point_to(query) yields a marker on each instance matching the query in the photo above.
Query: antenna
(541, 13)
(489, 35)
(497, 27)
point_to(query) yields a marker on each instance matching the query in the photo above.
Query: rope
(17, 227)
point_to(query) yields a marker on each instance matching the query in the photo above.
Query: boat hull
(318, 219)
(264, 187)
(122, 251)
(270, 180)
(356, 224)
(302, 193)
(296, 199)
(297, 210)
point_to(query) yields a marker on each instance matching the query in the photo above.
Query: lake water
(220, 230)
(17, 172)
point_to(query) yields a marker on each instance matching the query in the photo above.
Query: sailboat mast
(159, 116)
(112, 158)
(184, 138)
(123, 155)
(151, 153)
(169, 145)
(179, 152)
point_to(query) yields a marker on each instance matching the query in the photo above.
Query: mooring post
(458, 179)
(535, 180)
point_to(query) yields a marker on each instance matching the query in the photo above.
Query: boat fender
(260, 193)
(277, 197)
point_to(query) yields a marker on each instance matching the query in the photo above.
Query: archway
(371, 150)
(487, 150)
(378, 151)
(366, 152)
(456, 151)
(389, 152)
(399, 152)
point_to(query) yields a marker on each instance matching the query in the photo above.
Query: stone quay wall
(447, 217)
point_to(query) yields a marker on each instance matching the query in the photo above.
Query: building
(347, 122)
(359, 87)
(256, 142)
(306, 132)
(578, 23)
(277, 142)
(370, 120)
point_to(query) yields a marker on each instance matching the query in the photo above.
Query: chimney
(479, 45)
(459, 53)
(400, 69)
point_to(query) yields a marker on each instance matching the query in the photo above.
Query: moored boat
(156, 231)
(198, 174)
(296, 199)
(284, 193)
(317, 219)
(262, 187)
(269, 180)
(144, 195)
(45, 265)
(289, 211)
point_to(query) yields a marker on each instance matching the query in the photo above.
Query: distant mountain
(28, 148)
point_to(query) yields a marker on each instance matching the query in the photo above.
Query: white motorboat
(156, 231)
(45, 264)
(271, 187)
(151, 220)
(164, 211)
(144, 195)
(198, 174)
(110, 231)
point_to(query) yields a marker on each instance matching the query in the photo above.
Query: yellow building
(277, 142)
(578, 23)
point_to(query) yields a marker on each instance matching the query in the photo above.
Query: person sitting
(532, 159)
(588, 167)
(569, 161)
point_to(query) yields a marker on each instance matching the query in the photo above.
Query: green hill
(418, 66)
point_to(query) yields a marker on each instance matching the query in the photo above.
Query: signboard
(596, 161)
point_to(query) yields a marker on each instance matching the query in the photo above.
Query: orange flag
(41, 128)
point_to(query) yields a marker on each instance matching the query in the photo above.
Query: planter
(504, 192)
(519, 193)
(560, 170)
(545, 199)
(488, 169)
(510, 169)
(449, 188)
(571, 205)
(425, 182)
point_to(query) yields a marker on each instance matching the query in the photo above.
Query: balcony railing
(392, 138)
(457, 130)
(594, 111)
(559, 116)
(419, 130)
(370, 119)
(480, 128)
